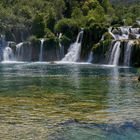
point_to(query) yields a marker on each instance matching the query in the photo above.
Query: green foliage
(49, 33)
(50, 22)
(107, 36)
(65, 41)
(68, 27)
(77, 13)
(38, 26)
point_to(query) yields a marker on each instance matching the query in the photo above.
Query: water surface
(42, 101)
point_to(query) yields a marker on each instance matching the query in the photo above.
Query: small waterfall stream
(74, 50)
(41, 50)
(19, 51)
(8, 54)
(127, 54)
(115, 54)
(90, 57)
(61, 47)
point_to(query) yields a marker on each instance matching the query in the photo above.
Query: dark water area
(42, 101)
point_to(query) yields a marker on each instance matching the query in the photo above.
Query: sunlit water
(41, 101)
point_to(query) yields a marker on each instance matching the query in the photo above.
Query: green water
(40, 101)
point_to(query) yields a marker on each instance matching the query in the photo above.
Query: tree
(38, 26)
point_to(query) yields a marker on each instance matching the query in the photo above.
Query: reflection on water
(74, 102)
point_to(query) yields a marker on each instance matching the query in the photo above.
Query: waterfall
(19, 51)
(115, 54)
(138, 21)
(74, 51)
(127, 54)
(90, 57)
(61, 47)
(122, 34)
(41, 50)
(8, 54)
(109, 30)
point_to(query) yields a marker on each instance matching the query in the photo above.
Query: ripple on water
(63, 101)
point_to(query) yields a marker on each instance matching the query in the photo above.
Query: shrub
(68, 27)
(38, 26)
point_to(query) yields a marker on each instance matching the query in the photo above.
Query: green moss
(68, 27)
(51, 42)
(49, 33)
(136, 25)
(107, 36)
(102, 47)
(65, 41)
(35, 42)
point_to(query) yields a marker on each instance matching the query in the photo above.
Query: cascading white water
(90, 57)
(115, 54)
(8, 54)
(127, 54)
(74, 50)
(138, 21)
(41, 50)
(61, 47)
(19, 51)
(125, 29)
(110, 31)
(128, 34)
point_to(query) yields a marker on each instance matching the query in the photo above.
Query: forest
(47, 17)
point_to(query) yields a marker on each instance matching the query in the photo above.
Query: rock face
(132, 36)
(139, 78)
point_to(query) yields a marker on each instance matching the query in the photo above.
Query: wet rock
(139, 78)
(115, 31)
(132, 36)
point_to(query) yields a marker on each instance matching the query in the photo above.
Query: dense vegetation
(46, 17)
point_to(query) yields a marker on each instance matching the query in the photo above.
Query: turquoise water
(42, 101)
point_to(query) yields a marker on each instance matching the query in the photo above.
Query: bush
(34, 41)
(65, 41)
(107, 36)
(49, 33)
(51, 42)
(38, 26)
(68, 27)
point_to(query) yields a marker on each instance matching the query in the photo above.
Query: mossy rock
(65, 41)
(135, 25)
(132, 36)
(12, 45)
(49, 33)
(51, 42)
(102, 47)
(116, 31)
(35, 42)
(108, 36)
(136, 54)
(92, 35)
